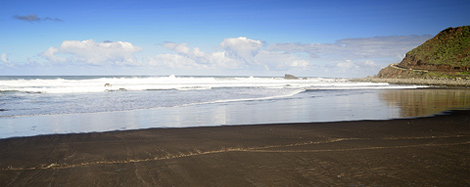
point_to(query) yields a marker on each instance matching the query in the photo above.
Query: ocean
(35, 105)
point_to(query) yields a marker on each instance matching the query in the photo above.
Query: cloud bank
(35, 18)
(234, 54)
(375, 47)
(348, 57)
(353, 57)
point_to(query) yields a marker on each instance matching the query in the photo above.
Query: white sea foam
(71, 95)
(248, 99)
(64, 85)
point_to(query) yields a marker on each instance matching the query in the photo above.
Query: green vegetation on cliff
(447, 51)
(447, 56)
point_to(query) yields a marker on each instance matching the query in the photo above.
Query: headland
(443, 60)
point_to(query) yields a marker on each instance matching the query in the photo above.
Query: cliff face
(445, 55)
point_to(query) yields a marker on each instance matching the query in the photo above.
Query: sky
(334, 38)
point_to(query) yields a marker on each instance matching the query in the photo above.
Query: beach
(242, 93)
(231, 131)
(444, 82)
(426, 151)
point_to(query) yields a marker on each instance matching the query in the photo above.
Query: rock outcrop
(288, 76)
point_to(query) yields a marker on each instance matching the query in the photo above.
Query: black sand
(432, 151)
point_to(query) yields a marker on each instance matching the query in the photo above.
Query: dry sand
(432, 151)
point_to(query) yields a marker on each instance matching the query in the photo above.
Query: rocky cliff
(447, 55)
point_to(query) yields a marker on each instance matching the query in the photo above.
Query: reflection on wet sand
(425, 102)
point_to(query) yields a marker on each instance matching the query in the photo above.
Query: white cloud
(358, 64)
(370, 63)
(242, 47)
(5, 58)
(50, 55)
(93, 53)
(184, 49)
(348, 64)
(174, 61)
(275, 60)
(310, 49)
(180, 48)
(193, 59)
(222, 59)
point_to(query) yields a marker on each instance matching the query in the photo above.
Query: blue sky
(257, 37)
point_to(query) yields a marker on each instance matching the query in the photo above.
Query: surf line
(253, 149)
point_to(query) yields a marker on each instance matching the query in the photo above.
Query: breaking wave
(26, 96)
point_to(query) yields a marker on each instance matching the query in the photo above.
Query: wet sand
(431, 151)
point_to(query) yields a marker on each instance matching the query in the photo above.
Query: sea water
(74, 104)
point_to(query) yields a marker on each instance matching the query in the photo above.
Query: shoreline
(441, 113)
(410, 81)
(417, 151)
